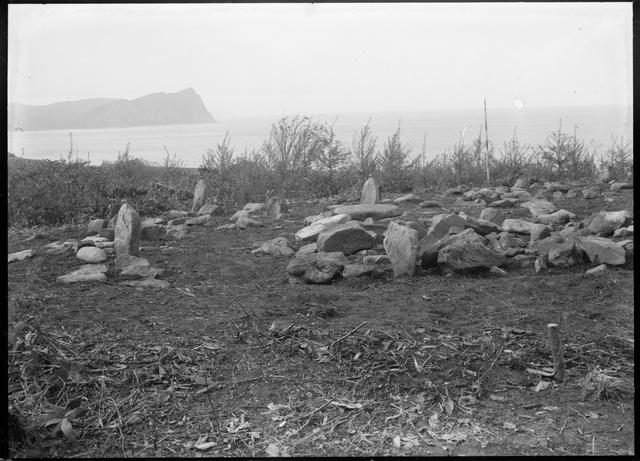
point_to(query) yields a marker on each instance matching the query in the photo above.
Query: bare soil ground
(233, 360)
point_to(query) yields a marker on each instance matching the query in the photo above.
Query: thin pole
(70, 147)
(486, 135)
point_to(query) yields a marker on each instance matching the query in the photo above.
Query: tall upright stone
(401, 243)
(127, 232)
(370, 192)
(199, 195)
(273, 208)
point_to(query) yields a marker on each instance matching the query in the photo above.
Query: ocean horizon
(441, 129)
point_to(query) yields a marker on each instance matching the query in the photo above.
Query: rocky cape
(153, 109)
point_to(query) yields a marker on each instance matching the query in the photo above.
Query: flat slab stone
(86, 273)
(20, 255)
(198, 220)
(123, 261)
(357, 270)
(311, 232)
(146, 283)
(364, 211)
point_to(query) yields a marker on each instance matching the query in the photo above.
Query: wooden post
(486, 141)
(70, 156)
(556, 351)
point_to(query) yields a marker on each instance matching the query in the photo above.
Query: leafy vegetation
(301, 159)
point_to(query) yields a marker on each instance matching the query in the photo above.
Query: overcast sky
(250, 59)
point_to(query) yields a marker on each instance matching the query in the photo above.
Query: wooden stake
(556, 351)
(486, 140)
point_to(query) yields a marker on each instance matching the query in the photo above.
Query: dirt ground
(233, 360)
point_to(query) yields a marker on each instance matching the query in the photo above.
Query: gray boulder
(244, 223)
(558, 217)
(95, 225)
(601, 251)
(539, 206)
(109, 233)
(317, 268)
(210, 209)
(469, 256)
(308, 248)
(176, 232)
(597, 271)
(492, 214)
(346, 238)
(564, 254)
(150, 231)
(91, 254)
(429, 249)
(606, 222)
(591, 193)
(277, 247)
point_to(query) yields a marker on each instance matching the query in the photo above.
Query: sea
(430, 132)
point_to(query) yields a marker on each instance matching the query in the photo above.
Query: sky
(263, 59)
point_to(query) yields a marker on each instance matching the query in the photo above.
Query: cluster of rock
(244, 218)
(95, 251)
(356, 240)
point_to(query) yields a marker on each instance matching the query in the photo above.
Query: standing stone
(370, 192)
(401, 243)
(127, 233)
(199, 195)
(273, 208)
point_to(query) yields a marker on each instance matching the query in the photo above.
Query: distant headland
(182, 107)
